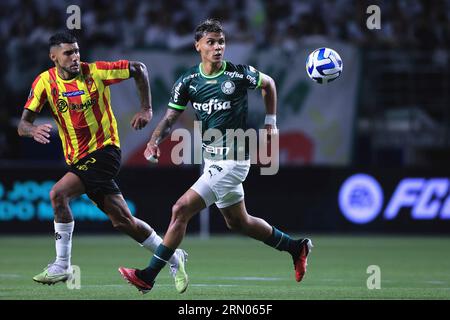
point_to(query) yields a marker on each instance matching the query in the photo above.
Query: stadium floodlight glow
(360, 198)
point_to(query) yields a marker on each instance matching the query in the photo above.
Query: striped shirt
(81, 106)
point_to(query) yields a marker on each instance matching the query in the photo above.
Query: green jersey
(220, 102)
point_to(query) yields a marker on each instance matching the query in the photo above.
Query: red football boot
(130, 276)
(301, 261)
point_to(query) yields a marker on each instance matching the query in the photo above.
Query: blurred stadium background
(367, 154)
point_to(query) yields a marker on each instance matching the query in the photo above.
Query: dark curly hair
(61, 37)
(210, 25)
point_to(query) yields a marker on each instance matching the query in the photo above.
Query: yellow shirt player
(80, 102)
(81, 106)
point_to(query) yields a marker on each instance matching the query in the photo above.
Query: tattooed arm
(139, 72)
(161, 132)
(26, 128)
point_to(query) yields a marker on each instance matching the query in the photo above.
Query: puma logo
(218, 169)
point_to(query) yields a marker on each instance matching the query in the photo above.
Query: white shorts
(221, 182)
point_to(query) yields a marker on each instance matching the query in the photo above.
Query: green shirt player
(220, 103)
(217, 90)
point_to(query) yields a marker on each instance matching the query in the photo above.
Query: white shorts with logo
(221, 182)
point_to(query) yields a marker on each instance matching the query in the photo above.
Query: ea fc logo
(228, 87)
(360, 198)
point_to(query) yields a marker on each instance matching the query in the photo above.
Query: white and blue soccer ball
(324, 65)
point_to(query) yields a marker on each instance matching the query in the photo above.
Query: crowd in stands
(26, 25)
(169, 24)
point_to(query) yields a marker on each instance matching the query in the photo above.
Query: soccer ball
(324, 65)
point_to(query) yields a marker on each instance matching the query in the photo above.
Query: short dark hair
(61, 37)
(210, 25)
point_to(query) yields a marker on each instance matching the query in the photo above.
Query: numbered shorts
(221, 182)
(98, 170)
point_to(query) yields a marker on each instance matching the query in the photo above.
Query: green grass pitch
(238, 268)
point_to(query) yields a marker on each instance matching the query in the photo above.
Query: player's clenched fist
(152, 152)
(41, 133)
(141, 119)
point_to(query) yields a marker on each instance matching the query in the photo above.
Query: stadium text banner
(329, 199)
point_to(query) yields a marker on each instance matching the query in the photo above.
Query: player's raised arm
(139, 72)
(161, 132)
(269, 94)
(26, 128)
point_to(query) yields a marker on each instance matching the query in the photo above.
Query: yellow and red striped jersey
(81, 106)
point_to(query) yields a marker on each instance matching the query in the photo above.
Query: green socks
(160, 258)
(281, 241)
